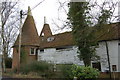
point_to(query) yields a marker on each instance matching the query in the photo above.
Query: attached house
(60, 48)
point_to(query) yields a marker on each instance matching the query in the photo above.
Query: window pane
(32, 51)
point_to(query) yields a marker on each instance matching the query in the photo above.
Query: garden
(44, 70)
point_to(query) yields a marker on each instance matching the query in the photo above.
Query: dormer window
(50, 39)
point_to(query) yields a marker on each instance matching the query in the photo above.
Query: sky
(48, 9)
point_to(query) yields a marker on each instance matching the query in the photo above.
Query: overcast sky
(49, 9)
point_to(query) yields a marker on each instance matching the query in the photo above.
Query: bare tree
(97, 7)
(8, 28)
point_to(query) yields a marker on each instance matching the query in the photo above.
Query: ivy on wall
(23, 56)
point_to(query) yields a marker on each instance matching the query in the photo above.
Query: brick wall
(15, 58)
(28, 59)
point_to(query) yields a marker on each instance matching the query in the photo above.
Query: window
(114, 68)
(64, 48)
(60, 48)
(97, 65)
(32, 51)
(50, 39)
(41, 50)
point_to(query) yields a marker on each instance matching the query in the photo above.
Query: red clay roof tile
(29, 33)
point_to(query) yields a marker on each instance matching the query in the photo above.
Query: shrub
(83, 73)
(65, 70)
(39, 67)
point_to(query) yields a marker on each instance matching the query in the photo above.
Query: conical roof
(46, 31)
(29, 34)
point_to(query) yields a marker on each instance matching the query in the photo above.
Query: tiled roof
(58, 40)
(29, 32)
(30, 35)
(109, 32)
(46, 30)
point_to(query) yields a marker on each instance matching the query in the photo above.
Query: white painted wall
(113, 54)
(66, 56)
(119, 57)
(70, 56)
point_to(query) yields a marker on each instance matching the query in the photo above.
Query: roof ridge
(63, 32)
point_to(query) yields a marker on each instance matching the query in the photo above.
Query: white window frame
(34, 51)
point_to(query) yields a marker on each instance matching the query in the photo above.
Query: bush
(38, 67)
(65, 70)
(8, 62)
(83, 73)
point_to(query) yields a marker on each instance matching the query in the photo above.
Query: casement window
(32, 51)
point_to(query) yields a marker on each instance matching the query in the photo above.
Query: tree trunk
(3, 49)
(3, 63)
(4, 57)
(87, 62)
(108, 57)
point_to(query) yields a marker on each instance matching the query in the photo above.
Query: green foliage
(77, 14)
(23, 56)
(65, 70)
(83, 34)
(80, 19)
(8, 62)
(104, 18)
(41, 67)
(83, 73)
